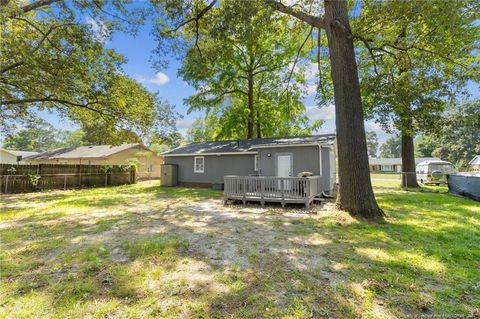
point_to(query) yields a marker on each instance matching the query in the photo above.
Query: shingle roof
(248, 145)
(93, 151)
(398, 160)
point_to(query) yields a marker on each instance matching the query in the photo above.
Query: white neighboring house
(393, 165)
(14, 157)
(475, 163)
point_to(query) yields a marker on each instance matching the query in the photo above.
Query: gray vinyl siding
(215, 167)
(304, 159)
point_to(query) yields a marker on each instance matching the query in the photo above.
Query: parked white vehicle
(434, 172)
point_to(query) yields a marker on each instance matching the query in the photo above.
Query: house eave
(293, 145)
(210, 154)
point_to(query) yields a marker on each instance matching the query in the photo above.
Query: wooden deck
(298, 190)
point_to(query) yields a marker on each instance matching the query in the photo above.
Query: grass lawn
(144, 251)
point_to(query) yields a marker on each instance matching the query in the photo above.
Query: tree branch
(370, 51)
(55, 100)
(10, 67)
(297, 56)
(319, 64)
(33, 6)
(195, 18)
(317, 22)
(385, 45)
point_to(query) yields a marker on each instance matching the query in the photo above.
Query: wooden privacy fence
(31, 178)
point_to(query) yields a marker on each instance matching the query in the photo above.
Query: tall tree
(72, 138)
(458, 140)
(53, 57)
(239, 69)
(416, 56)
(37, 135)
(372, 143)
(355, 193)
(425, 145)
(392, 148)
(200, 131)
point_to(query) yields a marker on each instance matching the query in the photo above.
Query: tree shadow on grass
(246, 262)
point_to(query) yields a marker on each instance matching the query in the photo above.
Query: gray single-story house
(207, 163)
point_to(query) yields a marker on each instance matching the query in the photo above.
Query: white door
(284, 169)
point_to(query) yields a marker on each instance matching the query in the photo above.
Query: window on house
(198, 164)
(388, 168)
(255, 163)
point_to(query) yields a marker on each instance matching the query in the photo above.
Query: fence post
(65, 183)
(132, 174)
(79, 172)
(282, 187)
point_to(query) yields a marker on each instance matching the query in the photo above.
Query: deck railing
(272, 189)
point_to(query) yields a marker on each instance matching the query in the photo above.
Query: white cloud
(311, 89)
(372, 126)
(185, 123)
(100, 30)
(140, 78)
(311, 72)
(160, 79)
(325, 112)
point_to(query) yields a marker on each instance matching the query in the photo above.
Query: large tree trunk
(355, 192)
(251, 115)
(409, 175)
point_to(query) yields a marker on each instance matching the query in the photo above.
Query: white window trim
(255, 163)
(195, 164)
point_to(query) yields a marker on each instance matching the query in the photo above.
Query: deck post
(262, 192)
(244, 200)
(282, 188)
(307, 192)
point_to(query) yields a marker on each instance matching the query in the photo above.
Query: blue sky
(138, 51)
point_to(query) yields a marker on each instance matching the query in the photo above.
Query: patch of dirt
(221, 236)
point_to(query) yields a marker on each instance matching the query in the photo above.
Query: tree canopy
(458, 140)
(53, 57)
(40, 136)
(391, 148)
(372, 143)
(415, 57)
(245, 63)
